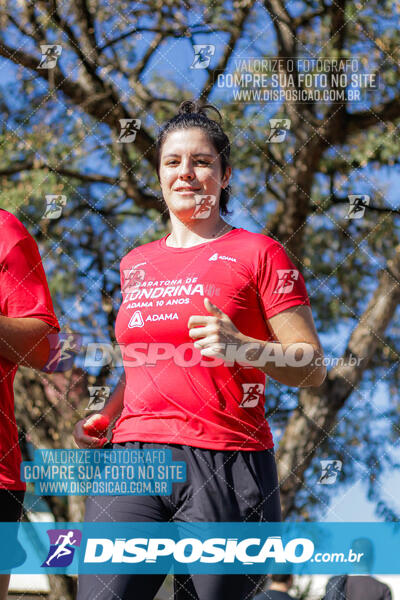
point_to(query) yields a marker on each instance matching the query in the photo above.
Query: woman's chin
(184, 210)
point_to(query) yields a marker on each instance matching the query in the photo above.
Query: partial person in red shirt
(207, 312)
(26, 318)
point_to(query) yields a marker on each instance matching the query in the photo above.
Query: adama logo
(162, 317)
(220, 257)
(136, 320)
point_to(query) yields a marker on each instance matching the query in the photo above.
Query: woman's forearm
(298, 364)
(24, 341)
(115, 404)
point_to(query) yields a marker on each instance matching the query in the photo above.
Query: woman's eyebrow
(198, 154)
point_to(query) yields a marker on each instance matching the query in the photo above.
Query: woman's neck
(184, 236)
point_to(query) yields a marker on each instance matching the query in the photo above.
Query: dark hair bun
(192, 114)
(189, 106)
(193, 107)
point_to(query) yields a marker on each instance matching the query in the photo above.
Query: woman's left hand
(213, 333)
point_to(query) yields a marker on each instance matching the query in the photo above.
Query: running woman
(185, 297)
(26, 318)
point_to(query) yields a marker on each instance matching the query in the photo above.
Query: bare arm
(115, 403)
(293, 329)
(294, 326)
(24, 341)
(112, 410)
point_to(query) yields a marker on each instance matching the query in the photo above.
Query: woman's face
(189, 160)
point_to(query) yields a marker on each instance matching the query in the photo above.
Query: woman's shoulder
(141, 252)
(12, 225)
(257, 251)
(258, 241)
(13, 232)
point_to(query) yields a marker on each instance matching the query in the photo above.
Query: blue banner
(298, 548)
(103, 472)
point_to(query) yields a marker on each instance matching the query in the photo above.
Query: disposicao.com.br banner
(299, 548)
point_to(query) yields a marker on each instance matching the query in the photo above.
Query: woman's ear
(226, 177)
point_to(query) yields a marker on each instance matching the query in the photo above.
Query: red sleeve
(279, 284)
(23, 286)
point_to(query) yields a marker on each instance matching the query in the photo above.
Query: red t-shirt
(23, 293)
(188, 398)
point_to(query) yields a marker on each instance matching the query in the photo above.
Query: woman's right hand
(85, 434)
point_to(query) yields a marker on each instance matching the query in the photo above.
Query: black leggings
(221, 486)
(11, 503)
(11, 508)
